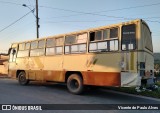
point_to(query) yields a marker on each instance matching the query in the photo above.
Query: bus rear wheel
(22, 78)
(75, 84)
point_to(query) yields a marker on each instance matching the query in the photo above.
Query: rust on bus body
(102, 78)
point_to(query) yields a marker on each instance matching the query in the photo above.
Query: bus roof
(88, 30)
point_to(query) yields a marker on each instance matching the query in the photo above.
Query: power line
(140, 6)
(79, 21)
(91, 21)
(11, 32)
(15, 21)
(94, 13)
(90, 13)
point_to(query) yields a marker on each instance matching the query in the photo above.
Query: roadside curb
(127, 94)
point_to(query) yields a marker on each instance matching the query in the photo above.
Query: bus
(118, 55)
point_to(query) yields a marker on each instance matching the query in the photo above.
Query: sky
(63, 16)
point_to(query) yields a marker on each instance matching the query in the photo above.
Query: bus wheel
(22, 78)
(75, 84)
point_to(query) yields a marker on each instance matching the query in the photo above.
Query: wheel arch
(68, 73)
(18, 71)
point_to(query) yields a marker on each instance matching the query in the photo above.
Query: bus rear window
(129, 37)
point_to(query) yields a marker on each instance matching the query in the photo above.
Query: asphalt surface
(39, 93)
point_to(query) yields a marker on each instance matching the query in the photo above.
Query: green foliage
(131, 90)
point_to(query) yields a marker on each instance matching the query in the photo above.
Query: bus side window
(41, 47)
(92, 47)
(102, 46)
(113, 45)
(106, 34)
(98, 47)
(97, 35)
(59, 50)
(70, 39)
(37, 48)
(59, 45)
(76, 44)
(82, 48)
(33, 51)
(114, 33)
(82, 38)
(50, 46)
(23, 50)
(92, 36)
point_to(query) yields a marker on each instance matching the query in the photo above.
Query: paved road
(36, 93)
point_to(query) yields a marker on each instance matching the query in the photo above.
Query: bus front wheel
(22, 78)
(75, 84)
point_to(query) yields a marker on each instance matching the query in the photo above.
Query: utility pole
(37, 19)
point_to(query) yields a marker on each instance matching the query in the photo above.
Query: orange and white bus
(118, 55)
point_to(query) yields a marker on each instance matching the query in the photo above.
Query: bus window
(113, 45)
(34, 45)
(59, 44)
(102, 46)
(21, 46)
(27, 46)
(82, 38)
(94, 36)
(70, 39)
(92, 47)
(82, 48)
(74, 49)
(59, 41)
(75, 44)
(50, 46)
(37, 51)
(51, 42)
(22, 52)
(98, 35)
(67, 50)
(106, 34)
(114, 33)
(59, 50)
(50, 51)
(41, 44)
(129, 37)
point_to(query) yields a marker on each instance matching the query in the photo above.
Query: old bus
(118, 55)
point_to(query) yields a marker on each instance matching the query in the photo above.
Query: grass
(131, 90)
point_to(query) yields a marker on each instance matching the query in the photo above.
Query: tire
(75, 84)
(22, 78)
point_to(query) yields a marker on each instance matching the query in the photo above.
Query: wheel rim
(22, 78)
(74, 84)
